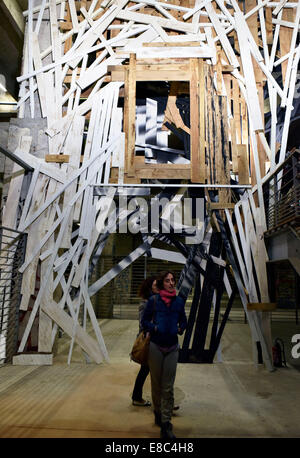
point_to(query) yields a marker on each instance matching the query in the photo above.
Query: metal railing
(282, 195)
(12, 254)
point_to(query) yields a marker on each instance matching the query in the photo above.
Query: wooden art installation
(87, 69)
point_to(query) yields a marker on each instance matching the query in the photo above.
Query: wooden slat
(261, 306)
(243, 164)
(197, 122)
(153, 171)
(65, 322)
(194, 120)
(130, 101)
(60, 158)
(33, 359)
(221, 206)
(153, 72)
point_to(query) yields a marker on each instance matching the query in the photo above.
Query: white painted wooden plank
(287, 5)
(101, 36)
(211, 44)
(161, 32)
(171, 52)
(74, 17)
(40, 17)
(34, 235)
(45, 322)
(77, 310)
(253, 101)
(225, 11)
(101, 159)
(264, 35)
(79, 55)
(222, 36)
(195, 10)
(30, 60)
(273, 106)
(289, 106)
(43, 285)
(31, 359)
(163, 11)
(259, 253)
(274, 44)
(40, 77)
(279, 7)
(147, 19)
(61, 263)
(27, 202)
(151, 125)
(95, 325)
(257, 55)
(23, 96)
(169, 6)
(87, 149)
(73, 148)
(56, 54)
(65, 322)
(45, 168)
(167, 255)
(237, 250)
(246, 16)
(244, 238)
(284, 23)
(98, 28)
(66, 289)
(290, 60)
(265, 144)
(117, 126)
(69, 96)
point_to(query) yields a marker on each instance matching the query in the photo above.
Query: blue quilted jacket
(167, 323)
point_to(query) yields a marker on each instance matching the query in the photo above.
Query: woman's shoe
(141, 403)
(157, 418)
(176, 407)
(166, 431)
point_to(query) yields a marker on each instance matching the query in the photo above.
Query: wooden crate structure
(81, 58)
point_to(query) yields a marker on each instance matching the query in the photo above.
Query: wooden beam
(197, 127)
(261, 306)
(243, 164)
(130, 102)
(221, 206)
(156, 171)
(153, 72)
(57, 158)
(33, 359)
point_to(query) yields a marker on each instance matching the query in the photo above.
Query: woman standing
(164, 318)
(147, 289)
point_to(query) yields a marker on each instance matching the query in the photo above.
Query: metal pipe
(162, 185)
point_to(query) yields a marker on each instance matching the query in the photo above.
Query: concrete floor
(231, 398)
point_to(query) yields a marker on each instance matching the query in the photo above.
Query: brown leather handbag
(140, 349)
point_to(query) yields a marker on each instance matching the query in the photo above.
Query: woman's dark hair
(145, 290)
(162, 276)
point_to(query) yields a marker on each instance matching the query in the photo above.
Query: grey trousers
(162, 371)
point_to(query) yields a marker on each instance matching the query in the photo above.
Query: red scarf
(167, 296)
